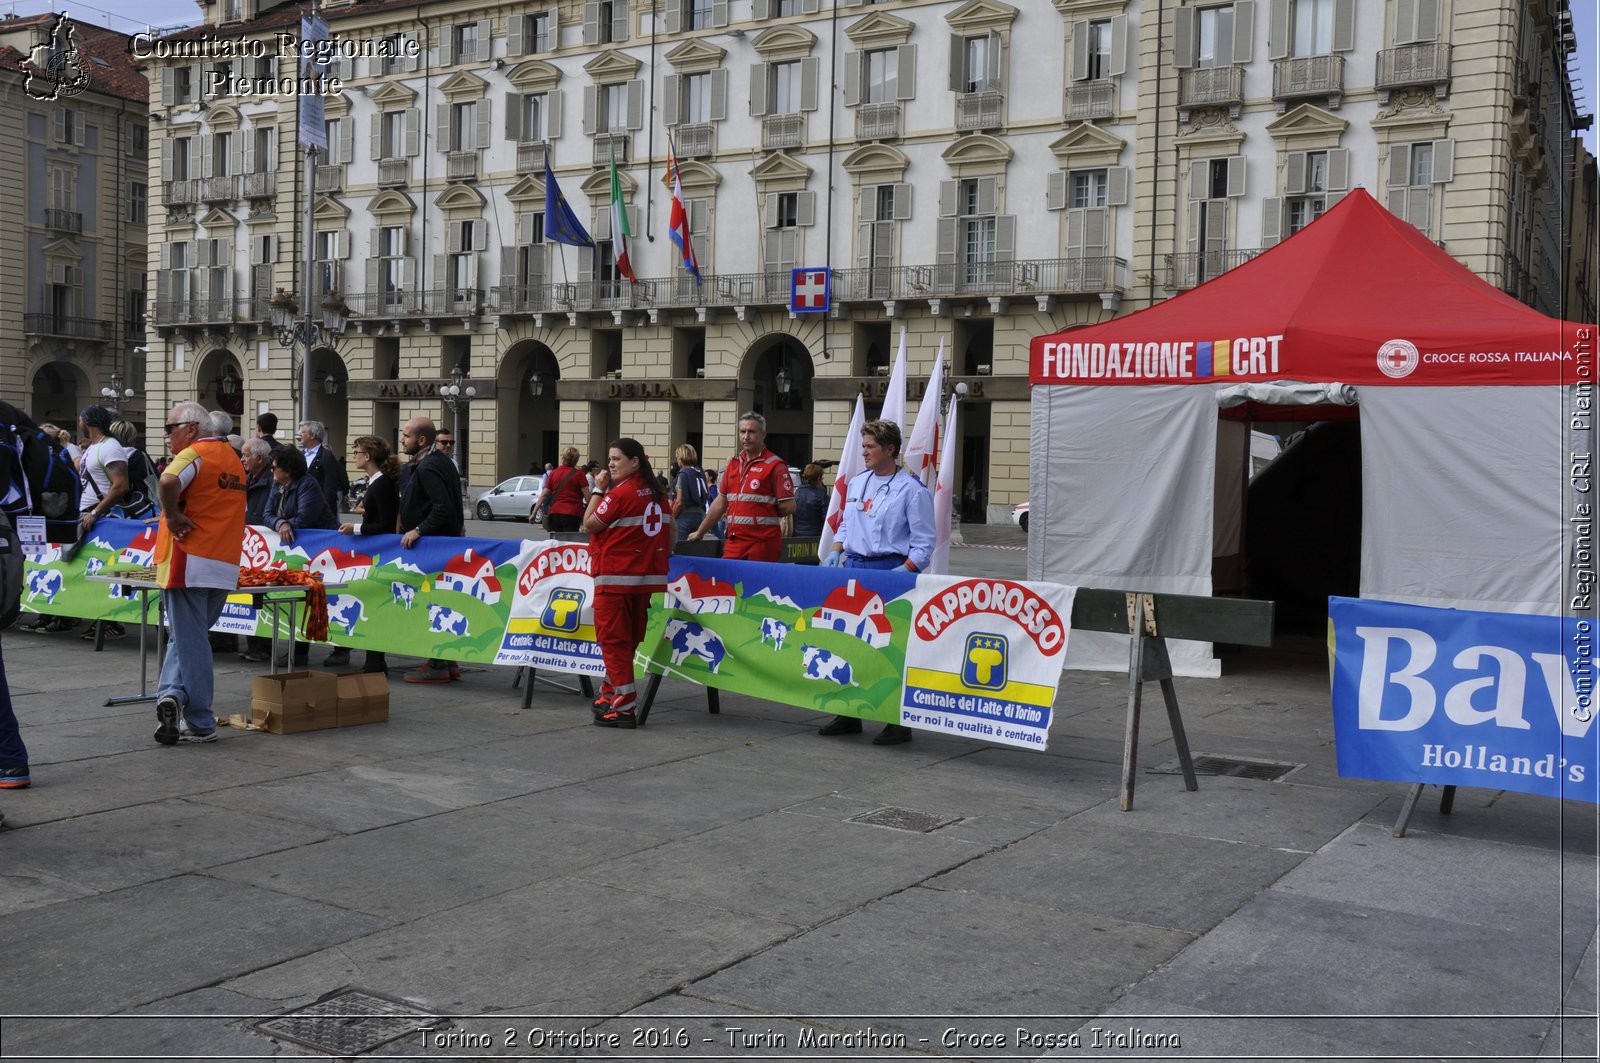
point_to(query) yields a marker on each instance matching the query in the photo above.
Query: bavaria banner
(1458, 698)
(979, 657)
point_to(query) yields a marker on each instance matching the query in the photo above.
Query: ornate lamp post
(307, 334)
(116, 392)
(456, 394)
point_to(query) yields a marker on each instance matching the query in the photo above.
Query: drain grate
(1239, 767)
(348, 1023)
(905, 819)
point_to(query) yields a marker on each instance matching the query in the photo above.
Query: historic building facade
(975, 173)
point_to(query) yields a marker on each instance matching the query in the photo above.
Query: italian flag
(619, 224)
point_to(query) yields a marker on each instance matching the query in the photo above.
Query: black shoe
(612, 718)
(841, 725)
(892, 735)
(376, 663)
(167, 720)
(339, 658)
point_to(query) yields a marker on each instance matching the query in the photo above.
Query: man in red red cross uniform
(755, 494)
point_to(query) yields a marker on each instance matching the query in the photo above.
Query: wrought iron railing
(531, 155)
(1194, 268)
(1089, 100)
(877, 121)
(452, 301)
(979, 110)
(179, 193)
(258, 185)
(209, 311)
(393, 173)
(330, 178)
(63, 221)
(218, 189)
(607, 143)
(461, 166)
(1211, 86)
(780, 131)
(65, 326)
(696, 140)
(1308, 75)
(1413, 64)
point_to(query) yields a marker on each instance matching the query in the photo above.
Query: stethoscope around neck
(869, 497)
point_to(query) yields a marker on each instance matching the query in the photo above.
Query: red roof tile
(107, 57)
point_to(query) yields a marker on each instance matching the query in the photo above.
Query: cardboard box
(363, 698)
(290, 702)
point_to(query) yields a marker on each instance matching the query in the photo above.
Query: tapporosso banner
(979, 657)
(1460, 698)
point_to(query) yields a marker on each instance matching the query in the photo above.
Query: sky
(168, 13)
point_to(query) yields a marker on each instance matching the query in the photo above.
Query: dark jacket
(328, 471)
(380, 506)
(256, 493)
(810, 509)
(301, 504)
(430, 498)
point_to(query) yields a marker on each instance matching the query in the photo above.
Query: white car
(1019, 516)
(510, 498)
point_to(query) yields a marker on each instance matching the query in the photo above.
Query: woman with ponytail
(630, 542)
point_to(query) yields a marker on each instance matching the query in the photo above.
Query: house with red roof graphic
(142, 549)
(694, 593)
(340, 566)
(856, 611)
(471, 573)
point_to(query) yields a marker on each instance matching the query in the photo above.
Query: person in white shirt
(104, 468)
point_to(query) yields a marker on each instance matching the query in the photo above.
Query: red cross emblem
(654, 519)
(808, 293)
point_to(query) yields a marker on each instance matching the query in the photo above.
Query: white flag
(922, 448)
(894, 399)
(945, 494)
(851, 463)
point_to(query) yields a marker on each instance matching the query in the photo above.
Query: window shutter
(988, 194)
(551, 40)
(947, 199)
(481, 139)
(719, 94)
(1079, 70)
(1197, 180)
(1236, 176)
(719, 13)
(441, 127)
(508, 272)
(636, 105)
(555, 100)
(409, 64)
(1244, 44)
(602, 223)
(347, 142)
(1427, 20)
(61, 124)
(958, 63)
(167, 151)
(672, 17)
(1278, 30)
(810, 7)
(633, 221)
(375, 135)
(1119, 47)
(907, 75)
(413, 131)
(1055, 190)
(1338, 170)
(1444, 161)
(1294, 173)
(901, 210)
(699, 216)
(206, 147)
(867, 206)
(452, 238)
(994, 76)
(1075, 231)
(372, 275)
(769, 210)
(758, 89)
(864, 244)
(672, 99)
(810, 69)
(619, 20)
(514, 40)
(167, 89)
(1419, 208)
(1094, 232)
(1183, 38)
(945, 242)
(1271, 221)
(163, 287)
(852, 78)
(591, 106)
(513, 105)
(249, 151)
(375, 243)
(472, 272)
(591, 22)
(485, 41)
(1117, 186)
(772, 251)
(760, 9)
(447, 45)
(586, 262)
(1216, 225)
(1405, 21)
(1344, 25)
(408, 274)
(1399, 167)
(805, 209)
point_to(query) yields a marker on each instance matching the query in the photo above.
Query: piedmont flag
(619, 224)
(922, 447)
(851, 463)
(894, 399)
(944, 495)
(678, 221)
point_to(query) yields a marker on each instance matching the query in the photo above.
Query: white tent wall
(1463, 492)
(1123, 480)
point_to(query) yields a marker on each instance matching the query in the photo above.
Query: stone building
(976, 173)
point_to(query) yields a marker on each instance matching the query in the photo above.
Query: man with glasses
(430, 504)
(197, 564)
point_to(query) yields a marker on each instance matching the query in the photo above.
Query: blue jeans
(13, 754)
(689, 523)
(187, 672)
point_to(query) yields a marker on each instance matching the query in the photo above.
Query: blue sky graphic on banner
(1452, 697)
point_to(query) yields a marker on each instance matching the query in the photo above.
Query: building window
(266, 67)
(696, 14)
(784, 8)
(1099, 49)
(232, 10)
(69, 126)
(265, 155)
(465, 39)
(138, 198)
(882, 76)
(541, 31)
(329, 247)
(1213, 36)
(391, 251)
(135, 305)
(697, 97)
(221, 153)
(395, 61)
(1088, 188)
(1306, 208)
(785, 90)
(977, 226)
(183, 84)
(606, 28)
(1313, 27)
(63, 188)
(535, 109)
(464, 126)
(138, 143)
(180, 150)
(1413, 171)
(788, 210)
(978, 60)
(393, 137)
(612, 116)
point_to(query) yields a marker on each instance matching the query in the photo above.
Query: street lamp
(293, 331)
(116, 391)
(456, 394)
(536, 384)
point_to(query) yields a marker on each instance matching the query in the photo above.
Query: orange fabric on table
(316, 598)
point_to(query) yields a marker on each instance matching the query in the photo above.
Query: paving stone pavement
(700, 887)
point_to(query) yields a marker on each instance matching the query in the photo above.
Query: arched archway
(59, 392)
(775, 381)
(219, 383)
(330, 397)
(527, 412)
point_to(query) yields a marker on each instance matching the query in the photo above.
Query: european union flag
(561, 226)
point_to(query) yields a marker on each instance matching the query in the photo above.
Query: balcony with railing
(330, 177)
(388, 303)
(393, 173)
(605, 144)
(218, 190)
(453, 302)
(63, 326)
(263, 185)
(216, 310)
(979, 110)
(695, 140)
(180, 193)
(781, 132)
(1213, 86)
(1087, 101)
(63, 221)
(1308, 77)
(1193, 268)
(133, 330)
(1414, 65)
(878, 121)
(461, 166)
(531, 155)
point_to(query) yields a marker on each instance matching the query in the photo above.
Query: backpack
(694, 497)
(52, 482)
(142, 500)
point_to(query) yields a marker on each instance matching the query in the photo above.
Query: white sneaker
(189, 736)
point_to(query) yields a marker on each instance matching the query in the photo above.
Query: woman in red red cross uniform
(630, 542)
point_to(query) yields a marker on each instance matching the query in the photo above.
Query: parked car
(510, 498)
(1019, 516)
